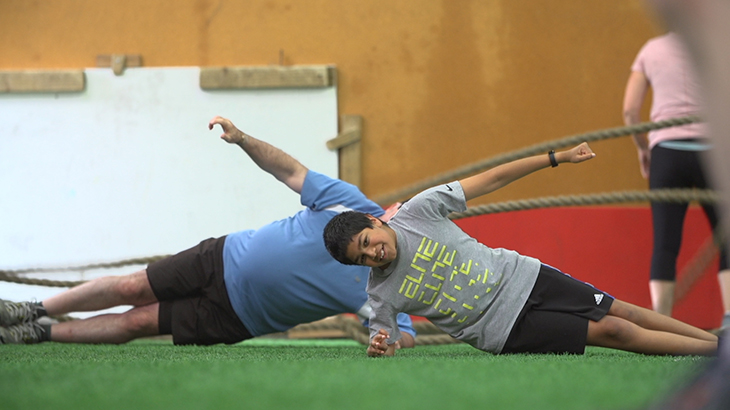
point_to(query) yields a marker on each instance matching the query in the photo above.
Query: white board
(128, 168)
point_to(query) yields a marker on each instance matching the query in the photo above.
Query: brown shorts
(194, 304)
(555, 317)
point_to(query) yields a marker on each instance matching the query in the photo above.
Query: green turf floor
(290, 374)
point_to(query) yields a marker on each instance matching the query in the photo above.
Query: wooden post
(348, 143)
(119, 62)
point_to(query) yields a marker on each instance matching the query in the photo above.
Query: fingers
(586, 150)
(231, 134)
(582, 152)
(216, 120)
(378, 345)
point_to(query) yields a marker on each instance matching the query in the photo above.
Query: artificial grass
(288, 374)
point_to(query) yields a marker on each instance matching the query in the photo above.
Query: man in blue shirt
(227, 289)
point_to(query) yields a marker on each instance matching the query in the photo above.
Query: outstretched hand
(231, 134)
(580, 153)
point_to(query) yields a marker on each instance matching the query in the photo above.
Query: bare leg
(112, 328)
(634, 329)
(617, 333)
(651, 320)
(662, 296)
(724, 280)
(103, 293)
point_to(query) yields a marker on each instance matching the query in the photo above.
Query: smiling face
(374, 247)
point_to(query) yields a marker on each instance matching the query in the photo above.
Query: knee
(134, 287)
(627, 311)
(614, 330)
(140, 322)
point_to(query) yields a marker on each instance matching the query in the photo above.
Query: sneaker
(12, 313)
(27, 333)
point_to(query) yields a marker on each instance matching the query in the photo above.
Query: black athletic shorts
(194, 304)
(555, 317)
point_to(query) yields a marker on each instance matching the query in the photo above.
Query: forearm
(636, 89)
(500, 176)
(407, 341)
(269, 158)
(275, 161)
(632, 117)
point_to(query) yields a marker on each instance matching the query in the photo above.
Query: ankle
(40, 310)
(45, 334)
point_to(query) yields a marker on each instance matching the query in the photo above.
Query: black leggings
(671, 168)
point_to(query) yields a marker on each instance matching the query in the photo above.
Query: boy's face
(373, 247)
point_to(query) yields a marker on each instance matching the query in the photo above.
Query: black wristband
(553, 161)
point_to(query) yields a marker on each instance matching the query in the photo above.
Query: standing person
(494, 299)
(670, 157)
(703, 25)
(224, 290)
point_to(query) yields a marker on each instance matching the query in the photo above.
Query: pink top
(676, 91)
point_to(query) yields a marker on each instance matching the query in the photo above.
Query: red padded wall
(609, 247)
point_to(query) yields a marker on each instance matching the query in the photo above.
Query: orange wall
(439, 83)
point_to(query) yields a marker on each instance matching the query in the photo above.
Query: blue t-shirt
(281, 275)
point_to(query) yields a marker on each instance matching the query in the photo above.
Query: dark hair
(339, 232)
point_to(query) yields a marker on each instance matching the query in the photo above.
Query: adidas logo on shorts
(598, 297)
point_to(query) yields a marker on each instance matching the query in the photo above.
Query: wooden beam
(212, 78)
(42, 81)
(346, 138)
(348, 143)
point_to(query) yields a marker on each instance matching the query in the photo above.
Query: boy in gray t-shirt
(494, 299)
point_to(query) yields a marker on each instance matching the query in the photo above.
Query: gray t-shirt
(471, 291)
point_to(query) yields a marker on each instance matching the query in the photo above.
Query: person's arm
(407, 341)
(497, 177)
(636, 88)
(269, 158)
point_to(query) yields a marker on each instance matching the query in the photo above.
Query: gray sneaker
(27, 333)
(12, 313)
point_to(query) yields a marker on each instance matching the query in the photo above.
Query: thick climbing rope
(12, 275)
(428, 334)
(696, 267)
(536, 149)
(659, 195)
(656, 195)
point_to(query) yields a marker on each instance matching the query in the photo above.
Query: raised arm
(269, 158)
(497, 177)
(636, 89)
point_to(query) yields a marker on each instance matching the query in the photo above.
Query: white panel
(129, 168)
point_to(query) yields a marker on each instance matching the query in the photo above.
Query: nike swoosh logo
(447, 186)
